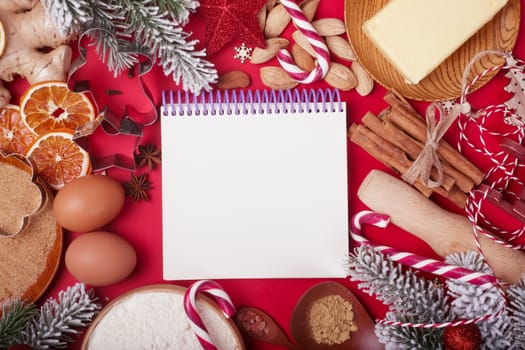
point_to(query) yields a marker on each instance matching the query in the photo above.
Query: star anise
(137, 187)
(148, 155)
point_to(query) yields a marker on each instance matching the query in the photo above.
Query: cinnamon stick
(412, 147)
(415, 127)
(396, 159)
(404, 116)
(385, 152)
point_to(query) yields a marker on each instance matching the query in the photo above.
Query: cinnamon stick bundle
(397, 136)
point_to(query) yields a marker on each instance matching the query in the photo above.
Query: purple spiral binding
(239, 102)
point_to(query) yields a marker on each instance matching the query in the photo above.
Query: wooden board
(444, 83)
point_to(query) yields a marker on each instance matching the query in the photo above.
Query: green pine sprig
(15, 316)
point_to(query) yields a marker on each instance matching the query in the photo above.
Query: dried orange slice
(59, 159)
(15, 137)
(50, 105)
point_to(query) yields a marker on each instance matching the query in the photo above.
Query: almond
(302, 58)
(261, 17)
(340, 47)
(302, 41)
(233, 80)
(278, 18)
(276, 78)
(309, 8)
(365, 83)
(276, 21)
(272, 46)
(329, 26)
(340, 77)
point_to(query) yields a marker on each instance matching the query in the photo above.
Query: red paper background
(140, 223)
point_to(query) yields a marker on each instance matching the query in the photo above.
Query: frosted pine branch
(408, 337)
(472, 301)
(111, 39)
(128, 27)
(410, 298)
(178, 11)
(58, 320)
(516, 295)
(68, 15)
(404, 291)
(170, 45)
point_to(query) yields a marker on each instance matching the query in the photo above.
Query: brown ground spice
(23, 256)
(331, 320)
(19, 197)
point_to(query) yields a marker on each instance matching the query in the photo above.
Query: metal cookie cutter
(120, 114)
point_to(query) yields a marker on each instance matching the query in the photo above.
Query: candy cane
(323, 55)
(222, 299)
(430, 265)
(413, 260)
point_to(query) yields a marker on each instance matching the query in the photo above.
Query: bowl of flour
(153, 317)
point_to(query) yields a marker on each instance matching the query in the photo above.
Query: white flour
(156, 320)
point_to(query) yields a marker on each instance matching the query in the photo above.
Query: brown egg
(88, 203)
(100, 258)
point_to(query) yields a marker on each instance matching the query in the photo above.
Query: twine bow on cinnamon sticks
(428, 158)
(398, 137)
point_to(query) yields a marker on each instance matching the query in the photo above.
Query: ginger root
(34, 48)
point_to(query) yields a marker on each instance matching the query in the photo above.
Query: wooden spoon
(363, 338)
(261, 326)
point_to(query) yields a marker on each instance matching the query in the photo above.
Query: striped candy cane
(425, 264)
(323, 55)
(219, 295)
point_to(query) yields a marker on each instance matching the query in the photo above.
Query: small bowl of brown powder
(329, 317)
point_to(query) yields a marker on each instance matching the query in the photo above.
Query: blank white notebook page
(254, 195)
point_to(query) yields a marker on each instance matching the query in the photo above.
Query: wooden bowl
(41, 224)
(444, 83)
(227, 324)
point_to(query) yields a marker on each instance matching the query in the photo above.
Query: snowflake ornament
(243, 53)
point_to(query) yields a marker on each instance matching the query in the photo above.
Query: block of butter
(416, 36)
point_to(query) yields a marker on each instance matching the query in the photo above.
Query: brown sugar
(19, 198)
(25, 255)
(331, 320)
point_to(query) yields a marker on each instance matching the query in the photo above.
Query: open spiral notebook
(254, 185)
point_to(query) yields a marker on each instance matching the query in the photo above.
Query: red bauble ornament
(464, 337)
(226, 20)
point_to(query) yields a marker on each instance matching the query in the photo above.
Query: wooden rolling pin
(444, 231)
